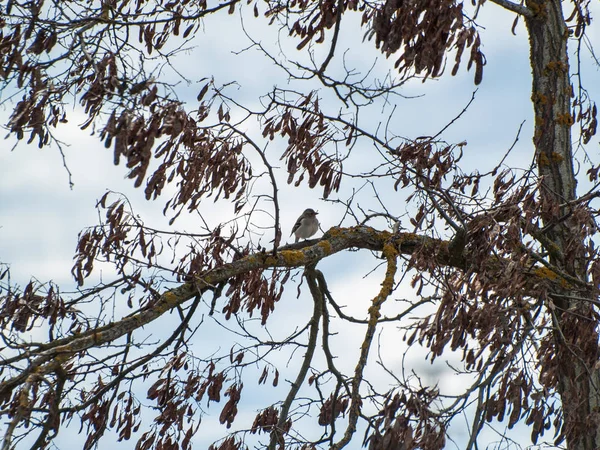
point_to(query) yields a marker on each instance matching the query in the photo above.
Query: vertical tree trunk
(574, 364)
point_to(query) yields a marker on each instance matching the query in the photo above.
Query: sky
(41, 215)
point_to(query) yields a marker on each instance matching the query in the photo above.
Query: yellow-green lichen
(390, 252)
(387, 286)
(169, 298)
(549, 274)
(62, 358)
(538, 9)
(335, 232)
(539, 98)
(374, 314)
(544, 272)
(292, 257)
(543, 160)
(565, 119)
(271, 260)
(385, 234)
(325, 246)
(556, 66)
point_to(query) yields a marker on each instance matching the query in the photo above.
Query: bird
(306, 225)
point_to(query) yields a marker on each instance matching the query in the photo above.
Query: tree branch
(334, 241)
(387, 288)
(277, 434)
(514, 7)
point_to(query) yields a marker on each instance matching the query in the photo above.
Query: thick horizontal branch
(514, 7)
(296, 255)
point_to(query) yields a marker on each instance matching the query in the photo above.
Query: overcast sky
(40, 216)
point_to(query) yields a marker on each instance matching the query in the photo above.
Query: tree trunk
(573, 367)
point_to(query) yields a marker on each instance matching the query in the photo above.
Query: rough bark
(575, 337)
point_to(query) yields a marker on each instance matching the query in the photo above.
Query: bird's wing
(296, 225)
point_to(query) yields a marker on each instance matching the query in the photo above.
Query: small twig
(464, 110)
(336, 32)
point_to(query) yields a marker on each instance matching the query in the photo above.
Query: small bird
(306, 225)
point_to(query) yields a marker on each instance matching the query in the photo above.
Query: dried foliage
(422, 33)
(502, 266)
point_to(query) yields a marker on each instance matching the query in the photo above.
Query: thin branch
(269, 167)
(374, 314)
(336, 32)
(277, 433)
